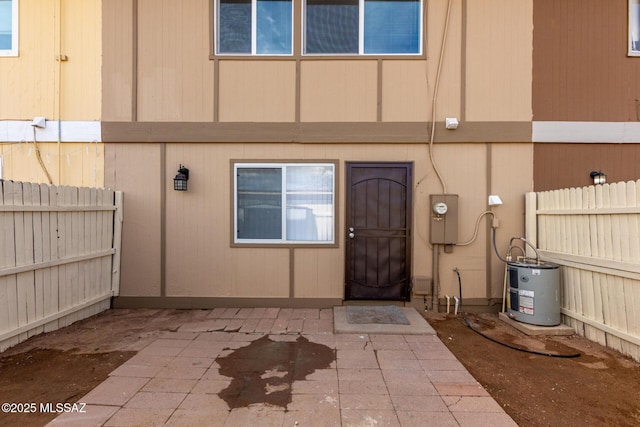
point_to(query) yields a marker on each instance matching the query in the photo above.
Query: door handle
(351, 235)
(351, 232)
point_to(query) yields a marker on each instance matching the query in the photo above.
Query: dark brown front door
(378, 234)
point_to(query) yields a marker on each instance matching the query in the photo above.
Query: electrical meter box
(443, 228)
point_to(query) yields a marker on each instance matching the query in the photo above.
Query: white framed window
(254, 27)
(634, 28)
(284, 203)
(362, 27)
(8, 27)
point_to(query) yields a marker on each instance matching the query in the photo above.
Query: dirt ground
(64, 365)
(598, 388)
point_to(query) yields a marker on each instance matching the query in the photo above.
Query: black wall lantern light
(180, 181)
(598, 177)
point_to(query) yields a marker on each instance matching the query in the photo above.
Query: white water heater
(534, 292)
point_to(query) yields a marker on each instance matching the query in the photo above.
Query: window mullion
(284, 203)
(361, 27)
(254, 26)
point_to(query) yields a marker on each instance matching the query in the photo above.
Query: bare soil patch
(38, 377)
(598, 388)
(64, 365)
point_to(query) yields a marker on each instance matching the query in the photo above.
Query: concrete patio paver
(376, 379)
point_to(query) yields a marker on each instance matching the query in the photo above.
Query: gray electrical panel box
(443, 213)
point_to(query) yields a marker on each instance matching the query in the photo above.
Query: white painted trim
(71, 131)
(586, 132)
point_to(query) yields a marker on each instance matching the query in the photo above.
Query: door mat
(384, 314)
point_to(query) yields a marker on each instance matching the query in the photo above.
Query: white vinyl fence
(594, 234)
(59, 256)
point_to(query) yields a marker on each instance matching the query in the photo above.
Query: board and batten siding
(594, 234)
(158, 67)
(569, 165)
(59, 256)
(581, 71)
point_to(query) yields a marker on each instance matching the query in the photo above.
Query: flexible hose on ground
(526, 350)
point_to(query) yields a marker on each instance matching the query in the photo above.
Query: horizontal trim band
(376, 132)
(316, 132)
(70, 131)
(586, 132)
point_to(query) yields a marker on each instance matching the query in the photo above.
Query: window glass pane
(259, 203)
(392, 26)
(234, 21)
(634, 25)
(273, 27)
(331, 26)
(6, 18)
(310, 203)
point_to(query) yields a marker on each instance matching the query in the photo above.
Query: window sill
(421, 57)
(286, 245)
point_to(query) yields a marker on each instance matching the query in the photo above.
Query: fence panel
(57, 256)
(594, 234)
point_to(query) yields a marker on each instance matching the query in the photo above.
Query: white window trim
(282, 241)
(634, 27)
(14, 32)
(254, 32)
(361, 35)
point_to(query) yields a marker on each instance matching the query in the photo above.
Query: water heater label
(535, 272)
(525, 301)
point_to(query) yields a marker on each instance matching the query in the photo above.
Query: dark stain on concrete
(264, 370)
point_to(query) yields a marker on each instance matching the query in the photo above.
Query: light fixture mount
(180, 181)
(598, 177)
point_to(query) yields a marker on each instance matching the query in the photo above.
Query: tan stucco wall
(499, 60)
(199, 259)
(485, 73)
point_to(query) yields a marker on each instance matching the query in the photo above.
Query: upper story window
(8, 27)
(634, 27)
(362, 27)
(254, 27)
